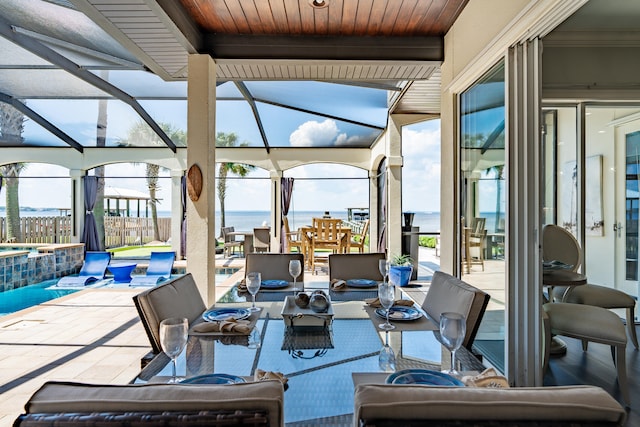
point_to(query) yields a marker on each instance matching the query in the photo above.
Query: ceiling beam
(22, 107)
(250, 100)
(419, 48)
(48, 54)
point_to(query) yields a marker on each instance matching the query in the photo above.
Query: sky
(421, 179)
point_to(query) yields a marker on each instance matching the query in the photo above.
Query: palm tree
(11, 128)
(141, 133)
(240, 169)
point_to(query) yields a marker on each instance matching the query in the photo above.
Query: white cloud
(312, 133)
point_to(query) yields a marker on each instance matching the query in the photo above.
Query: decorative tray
(305, 317)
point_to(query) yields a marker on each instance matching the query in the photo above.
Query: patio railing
(119, 231)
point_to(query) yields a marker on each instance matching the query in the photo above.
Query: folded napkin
(242, 286)
(261, 375)
(487, 378)
(228, 325)
(338, 285)
(375, 302)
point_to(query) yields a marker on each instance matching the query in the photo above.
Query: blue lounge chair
(93, 269)
(160, 266)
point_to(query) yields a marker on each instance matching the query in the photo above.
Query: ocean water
(247, 220)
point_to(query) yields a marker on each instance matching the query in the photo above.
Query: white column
(201, 115)
(394, 188)
(374, 232)
(276, 209)
(77, 204)
(176, 211)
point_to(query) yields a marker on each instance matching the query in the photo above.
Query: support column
(394, 183)
(201, 115)
(176, 212)
(374, 232)
(77, 204)
(276, 209)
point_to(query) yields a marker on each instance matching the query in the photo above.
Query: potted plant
(400, 270)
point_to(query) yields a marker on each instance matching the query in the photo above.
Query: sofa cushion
(384, 401)
(61, 397)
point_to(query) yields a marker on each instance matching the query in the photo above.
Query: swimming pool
(28, 296)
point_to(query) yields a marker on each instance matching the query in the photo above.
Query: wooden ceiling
(401, 18)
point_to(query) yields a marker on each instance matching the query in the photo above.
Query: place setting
(402, 312)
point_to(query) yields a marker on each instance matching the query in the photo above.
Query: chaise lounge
(93, 269)
(159, 269)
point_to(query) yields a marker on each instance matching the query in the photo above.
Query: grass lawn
(137, 251)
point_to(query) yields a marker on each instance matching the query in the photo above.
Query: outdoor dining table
(320, 364)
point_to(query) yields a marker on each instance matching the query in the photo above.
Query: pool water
(28, 296)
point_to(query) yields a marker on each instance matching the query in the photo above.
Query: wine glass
(253, 281)
(295, 268)
(453, 328)
(386, 357)
(386, 295)
(383, 266)
(173, 339)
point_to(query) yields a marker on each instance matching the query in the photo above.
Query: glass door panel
(482, 189)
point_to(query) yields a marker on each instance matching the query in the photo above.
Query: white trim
(536, 20)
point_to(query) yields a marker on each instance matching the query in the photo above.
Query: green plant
(427, 241)
(403, 260)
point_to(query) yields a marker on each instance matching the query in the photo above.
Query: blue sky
(421, 180)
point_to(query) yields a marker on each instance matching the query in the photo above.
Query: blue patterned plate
(425, 377)
(214, 379)
(400, 312)
(217, 314)
(274, 284)
(361, 283)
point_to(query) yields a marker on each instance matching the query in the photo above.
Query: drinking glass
(387, 358)
(253, 280)
(453, 327)
(295, 268)
(386, 295)
(173, 339)
(383, 266)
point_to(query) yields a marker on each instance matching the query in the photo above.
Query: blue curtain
(90, 235)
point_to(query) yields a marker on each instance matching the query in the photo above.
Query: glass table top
(317, 362)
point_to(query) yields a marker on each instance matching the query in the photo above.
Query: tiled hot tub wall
(20, 267)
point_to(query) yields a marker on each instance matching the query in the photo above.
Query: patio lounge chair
(160, 266)
(93, 269)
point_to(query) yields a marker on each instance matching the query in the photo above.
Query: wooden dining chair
(327, 235)
(358, 240)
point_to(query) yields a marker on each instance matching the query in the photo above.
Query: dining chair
(230, 241)
(293, 239)
(327, 235)
(448, 293)
(261, 239)
(358, 241)
(355, 266)
(560, 245)
(273, 266)
(178, 297)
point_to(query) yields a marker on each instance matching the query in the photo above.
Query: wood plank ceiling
(337, 18)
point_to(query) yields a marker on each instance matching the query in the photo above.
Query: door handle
(618, 227)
